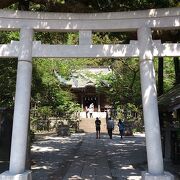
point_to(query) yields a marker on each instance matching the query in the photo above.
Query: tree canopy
(86, 6)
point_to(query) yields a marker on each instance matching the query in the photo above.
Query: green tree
(49, 98)
(8, 72)
(8, 82)
(88, 6)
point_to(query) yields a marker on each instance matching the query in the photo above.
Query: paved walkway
(81, 156)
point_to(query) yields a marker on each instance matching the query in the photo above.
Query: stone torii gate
(145, 48)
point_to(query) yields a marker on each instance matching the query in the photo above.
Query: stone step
(94, 115)
(88, 125)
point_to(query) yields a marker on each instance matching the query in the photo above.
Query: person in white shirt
(91, 110)
(110, 126)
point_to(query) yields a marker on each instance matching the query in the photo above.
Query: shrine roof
(170, 101)
(84, 77)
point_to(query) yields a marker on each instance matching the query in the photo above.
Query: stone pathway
(81, 156)
(90, 162)
(127, 157)
(84, 157)
(51, 156)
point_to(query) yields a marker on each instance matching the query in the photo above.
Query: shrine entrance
(89, 99)
(145, 48)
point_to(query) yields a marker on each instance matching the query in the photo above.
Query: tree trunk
(177, 70)
(160, 76)
(23, 5)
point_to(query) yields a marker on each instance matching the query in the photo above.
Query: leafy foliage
(8, 72)
(7, 82)
(87, 6)
(169, 73)
(48, 97)
(123, 83)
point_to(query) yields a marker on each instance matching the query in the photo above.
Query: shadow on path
(81, 156)
(84, 157)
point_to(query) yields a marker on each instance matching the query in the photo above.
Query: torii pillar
(150, 109)
(17, 169)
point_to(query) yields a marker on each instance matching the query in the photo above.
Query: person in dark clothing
(98, 127)
(121, 128)
(110, 126)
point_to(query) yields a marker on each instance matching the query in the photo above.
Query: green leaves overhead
(81, 6)
(48, 97)
(8, 72)
(169, 72)
(126, 81)
(7, 82)
(8, 36)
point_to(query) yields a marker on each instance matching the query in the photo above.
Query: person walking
(98, 127)
(91, 110)
(121, 128)
(110, 126)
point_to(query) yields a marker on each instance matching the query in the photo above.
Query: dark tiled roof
(171, 100)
